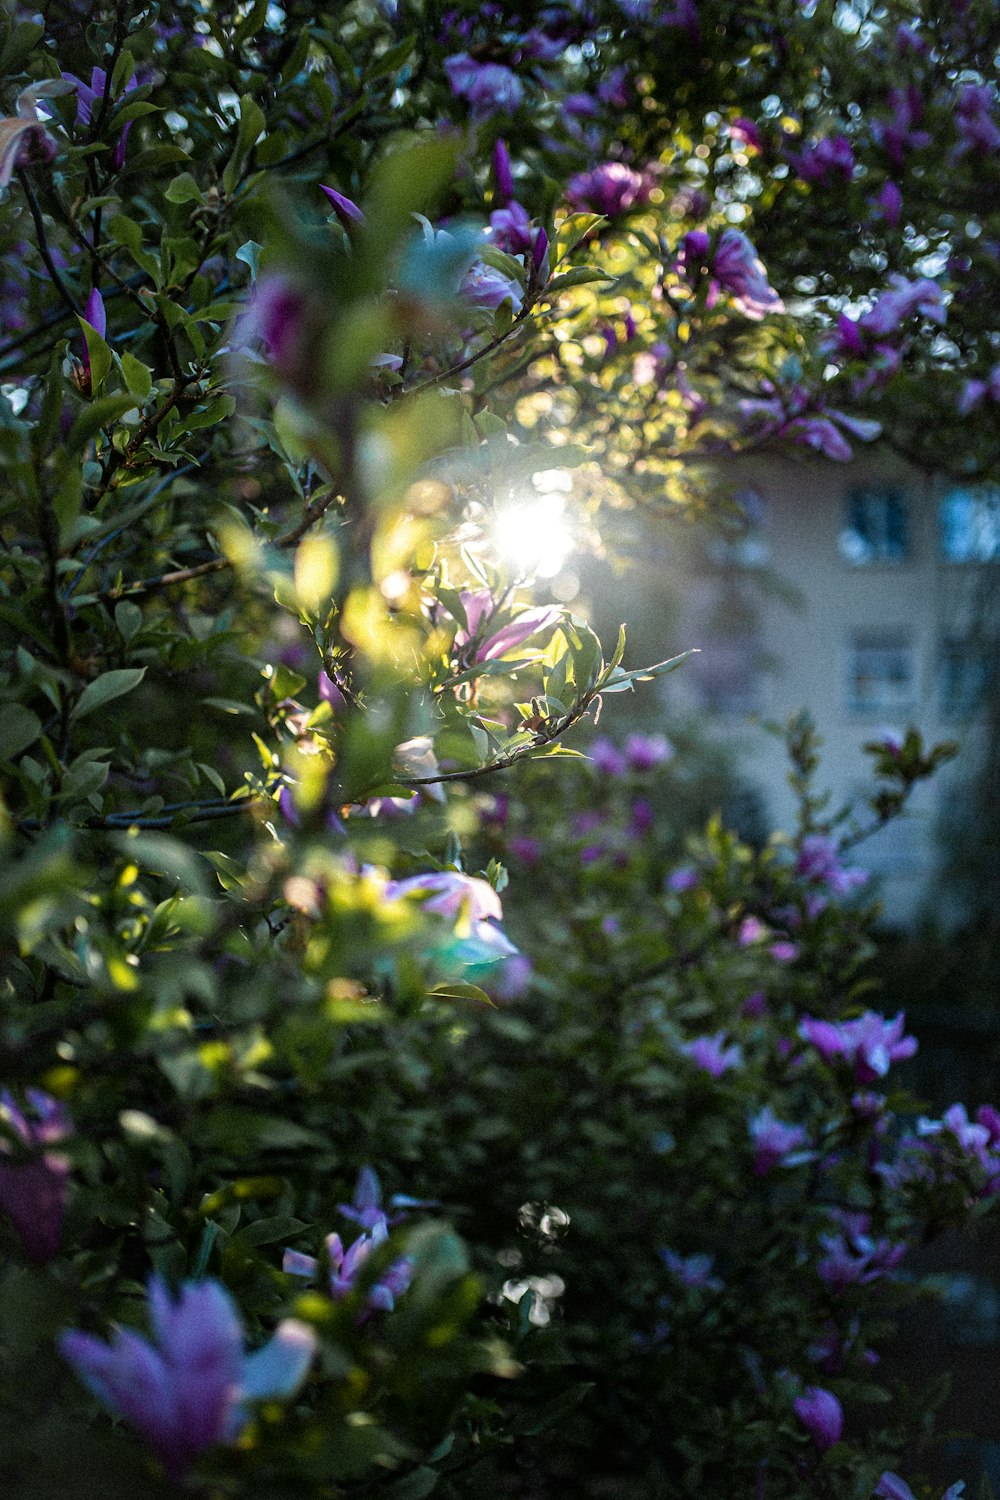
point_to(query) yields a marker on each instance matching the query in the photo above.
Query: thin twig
(43, 243)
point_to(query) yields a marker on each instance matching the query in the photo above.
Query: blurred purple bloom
(819, 861)
(611, 189)
(751, 930)
(870, 1044)
(503, 173)
(973, 1138)
(747, 133)
(366, 1207)
(608, 759)
(644, 751)
(888, 203)
(187, 1390)
(330, 692)
(489, 88)
(34, 1187)
(754, 1006)
(449, 894)
(824, 160)
(774, 1140)
(898, 133)
(642, 817)
(614, 89)
(683, 879)
(346, 209)
(280, 315)
(821, 1413)
(974, 117)
(712, 1055)
(784, 952)
(87, 96)
(904, 299)
(855, 1259)
(693, 1271)
(528, 850)
(974, 392)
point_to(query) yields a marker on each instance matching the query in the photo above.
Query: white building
(869, 594)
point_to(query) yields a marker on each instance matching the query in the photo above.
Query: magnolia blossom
(891, 1487)
(870, 1044)
(683, 879)
(344, 1267)
(490, 88)
(89, 96)
(345, 208)
(189, 1388)
(774, 1140)
(450, 894)
(611, 189)
(975, 1138)
(902, 300)
(822, 1415)
(480, 606)
(712, 1055)
(899, 134)
(511, 229)
(644, 751)
(608, 759)
(974, 117)
(819, 860)
(486, 288)
(854, 1258)
(974, 392)
(738, 269)
(822, 161)
(34, 1185)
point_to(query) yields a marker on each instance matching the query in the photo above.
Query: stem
(43, 244)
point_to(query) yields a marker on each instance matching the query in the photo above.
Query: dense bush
(315, 1177)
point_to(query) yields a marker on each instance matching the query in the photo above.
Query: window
(881, 672)
(965, 671)
(877, 527)
(746, 543)
(969, 524)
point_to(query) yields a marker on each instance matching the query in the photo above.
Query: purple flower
(819, 861)
(344, 1267)
(693, 1271)
(888, 203)
(503, 173)
(449, 894)
(644, 751)
(738, 268)
(822, 161)
(784, 952)
(346, 209)
(898, 134)
(747, 133)
(34, 1187)
(870, 1044)
(187, 1390)
(279, 313)
(974, 118)
(854, 1257)
(754, 1006)
(751, 930)
(486, 288)
(975, 1139)
(528, 850)
(683, 879)
(527, 623)
(611, 189)
(511, 229)
(87, 96)
(774, 1141)
(608, 759)
(821, 1414)
(489, 88)
(904, 299)
(711, 1054)
(366, 1208)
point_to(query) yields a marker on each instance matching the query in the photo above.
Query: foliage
(272, 401)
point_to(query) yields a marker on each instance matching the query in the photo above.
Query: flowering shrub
(305, 314)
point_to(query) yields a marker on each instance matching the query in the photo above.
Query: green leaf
(392, 59)
(579, 276)
(19, 728)
(249, 254)
(98, 414)
(413, 1486)
(105, 689)
(269, 1231)
(184, 189)
(461, 991)
(99, 355)
(138, 377)
(128, 233)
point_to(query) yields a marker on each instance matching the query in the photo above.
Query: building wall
(785, 619)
